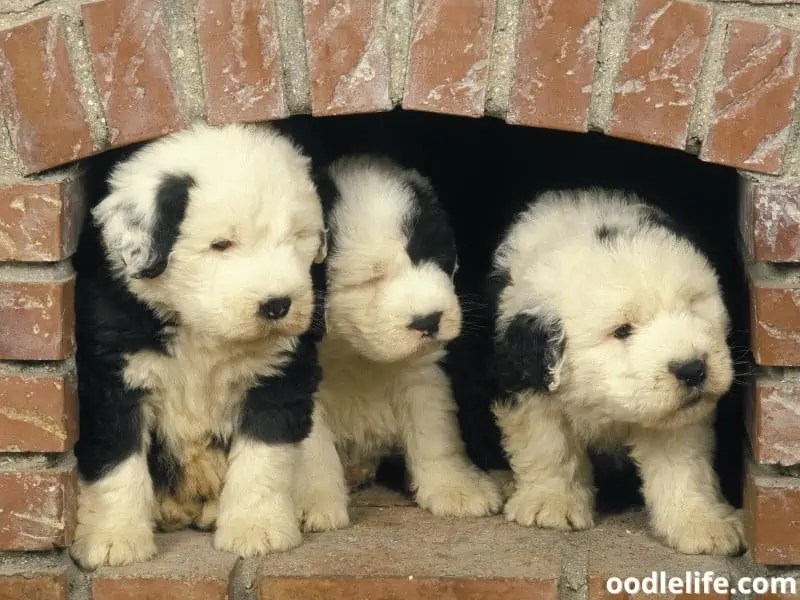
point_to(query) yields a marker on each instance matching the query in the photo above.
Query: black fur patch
(607, 232)
(526, 353)
(171, 200)
(110, 324)
(164, 467)
(277, 410)
(427, 228)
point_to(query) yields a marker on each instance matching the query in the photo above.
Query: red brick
(38, 97)
(132, 69)
(40, 220)
(449, 56)
(555, 64)
(38, 409)
(754, 100)
(623, 546)
(771, 220)
(36, 319)
(39, 507)
(773, 419)
(185, 568)
(240, 53)
(772, 503)
(347, 57)
(775, 318)
(35, 586)
(655, 91)
(404, 552)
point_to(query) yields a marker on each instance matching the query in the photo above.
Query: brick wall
(714, 78)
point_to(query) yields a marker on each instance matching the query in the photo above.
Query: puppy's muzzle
(427, 325)
(275, 308)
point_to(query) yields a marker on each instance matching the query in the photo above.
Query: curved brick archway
(717, 78)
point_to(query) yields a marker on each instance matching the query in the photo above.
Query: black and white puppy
(391, 310)
(196, 351)
(611, 333)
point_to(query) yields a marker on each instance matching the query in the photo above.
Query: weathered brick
(772, 503)
(773, 419)
(240, 54)
(770, 220)
(348, 63)
(754, 100)
(775, 315)
(623, 546)
(404, 552)
(132, 69)
(186, 568)
(40, 220)
(38, 408)
(34, 585)
(39, 507)
(36, 318)
(555, 64)
(38, 97)
(449, 56)
(655, 90)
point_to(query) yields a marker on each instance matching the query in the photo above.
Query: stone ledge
(394, 550)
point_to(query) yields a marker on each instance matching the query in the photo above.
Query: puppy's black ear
(139, 233)
(528, 353)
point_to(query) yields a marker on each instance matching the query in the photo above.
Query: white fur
(253, 188)
(606, 392)
(256, 512)
(382, 387)
(115, 519)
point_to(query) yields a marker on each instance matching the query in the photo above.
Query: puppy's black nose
(428, 324)
(275, 308)
(690, 374)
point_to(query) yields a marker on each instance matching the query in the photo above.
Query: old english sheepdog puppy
(610, 332)
(391, 309)
(196, 351)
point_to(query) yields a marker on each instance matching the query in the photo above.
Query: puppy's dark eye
(221, 245)
(623, 331)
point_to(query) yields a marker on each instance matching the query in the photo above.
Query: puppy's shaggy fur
(391, 309)
(196, 362)
(610, 332)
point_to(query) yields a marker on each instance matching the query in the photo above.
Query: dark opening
(484, 171)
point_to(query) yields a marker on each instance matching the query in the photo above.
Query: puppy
(196, 353)
(610, 332)
(391, 309)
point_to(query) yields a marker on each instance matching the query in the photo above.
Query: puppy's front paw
(113, 546)
(551, 509)
(253, 536)
(322, 511)
(461, 493)
(707, 534)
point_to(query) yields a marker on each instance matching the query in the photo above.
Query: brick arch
(711, 77)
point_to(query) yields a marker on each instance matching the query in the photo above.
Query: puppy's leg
(115, 517)
(682, 491)
(256, 512)
(117, 500)
(551, 467)
(320, 491)
(444, 480)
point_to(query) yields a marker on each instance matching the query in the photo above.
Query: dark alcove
(485, 171)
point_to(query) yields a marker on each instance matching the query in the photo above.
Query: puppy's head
(392, 261)
(217, 228)
(601, 299)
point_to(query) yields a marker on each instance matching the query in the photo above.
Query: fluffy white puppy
(391, 309)
(196, 365)
(610, 332)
